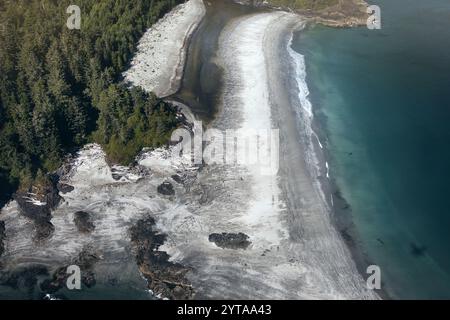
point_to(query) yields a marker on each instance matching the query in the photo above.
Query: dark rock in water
(23, 277)
(230, 240)
(85, 260)
(31, 208)
(83, 222)
(177, 179)
(64, 188)
(88, 279)
(417, 250)
(57, 282)
(166, 189)
(348, 237)
(2, 237)
(44, 229)
(37, 202)
(117, 174)
(338, 195)
(164, 277)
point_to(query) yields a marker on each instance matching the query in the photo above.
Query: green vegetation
(304, 4)
(61, 88)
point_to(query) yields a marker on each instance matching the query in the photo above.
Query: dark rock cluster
(24, 278)
(86, 261)
(166, 188)
(177, 178)
(47, 193)
(64, 188)
(230, 240)
(164, 277)
(83, 222)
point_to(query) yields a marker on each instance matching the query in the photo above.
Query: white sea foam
(328, 169)
(334, 255)
(305, 118)
(114, 206)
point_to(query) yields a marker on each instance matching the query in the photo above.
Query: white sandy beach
(159, 62)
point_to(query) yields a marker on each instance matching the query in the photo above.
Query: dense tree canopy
(61, 88)
(305, 4)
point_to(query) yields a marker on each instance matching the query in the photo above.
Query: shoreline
(342, 15)
(291, 157)
(340, 209)
(202, 73)
(160, 59)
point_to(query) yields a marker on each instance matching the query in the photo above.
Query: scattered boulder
(177, 179)
(43, 229)
(164, 277)
(64, 188)
(230, 240)
(166, 188)
(83, 222)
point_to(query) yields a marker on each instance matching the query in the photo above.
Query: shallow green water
(383, 99)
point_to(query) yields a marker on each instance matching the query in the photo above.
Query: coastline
(340, 209)
(203, 75)
(161, 55)
(345, 14)
(295, 251)
(316, 169)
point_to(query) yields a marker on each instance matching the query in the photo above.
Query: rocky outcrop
(83, 222)
(86, 261)
(177, 178)
(165, 279)
(230, 240)
(2, 237)
(343, 13)
(64, 188)
(43, 229)
(37, 202)
(166, 188)
(23, 278)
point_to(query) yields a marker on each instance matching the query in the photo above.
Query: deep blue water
(382, 98)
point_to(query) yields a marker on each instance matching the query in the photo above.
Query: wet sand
(307, 210)
(202, 78)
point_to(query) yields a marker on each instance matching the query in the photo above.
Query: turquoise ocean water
(382, 99)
